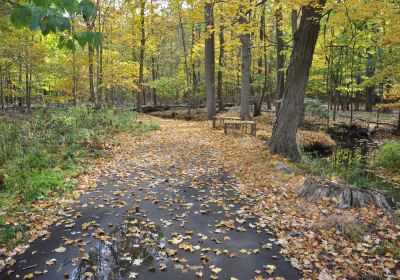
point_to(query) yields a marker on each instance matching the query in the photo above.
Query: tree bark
(154, 77)
(258, 105)
(280, 60)
(93, 97)
(370, 89)
(74, 79)
(283, 140)
(221, 62)
(209, 61)
(245, 82)
(1, 89)
(185, 56)
(139, 94)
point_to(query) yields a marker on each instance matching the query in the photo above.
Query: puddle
(132, 243)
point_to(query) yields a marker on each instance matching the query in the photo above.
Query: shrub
(388, 156)
(144, 128)
(39, 185)
(316, 108)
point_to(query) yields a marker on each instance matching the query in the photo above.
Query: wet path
(151, 221)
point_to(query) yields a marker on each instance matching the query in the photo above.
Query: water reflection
(133, 242)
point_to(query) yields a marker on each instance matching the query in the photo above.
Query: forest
(187, 139)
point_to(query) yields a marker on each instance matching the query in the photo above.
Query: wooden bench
(222, 120)
(242, 126)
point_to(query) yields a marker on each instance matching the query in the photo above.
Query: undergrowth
(355, 169)
(40, 152)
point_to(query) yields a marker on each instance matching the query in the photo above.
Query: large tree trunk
(221, 106)
(294, 30)
(283, 140)
(209, 61)
(246, 65)
(280, 60)
(398, 125)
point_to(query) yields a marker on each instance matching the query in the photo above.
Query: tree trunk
(209, 61)
(27, 89)
(221, 106)
(185, 55)
(258, 105)
(280, 60)
(370, 89)
(74, 79)
(246, 65)
(154, 77)
(194, 78)
(140, 93)
(1, 90)
(293, 17)
(93, 97)
(398, 125)
(283, 140)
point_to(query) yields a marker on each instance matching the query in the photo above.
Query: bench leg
(225, 129)
(214, 122)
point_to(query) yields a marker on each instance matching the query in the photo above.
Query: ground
(187, 202)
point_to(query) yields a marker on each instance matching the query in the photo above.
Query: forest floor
(187, 201)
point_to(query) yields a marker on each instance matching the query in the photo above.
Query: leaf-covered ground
(187, 202)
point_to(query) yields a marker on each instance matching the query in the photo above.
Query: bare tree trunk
(141, 56)
(1, 89)
(93, 97)
(185, 55)
(194, 78)
(100, 87)
(27, 89)
(153, 76)
(74, 79)
(280, 60)
(246, 65)
(221, 62)
(209, 61)
(370, 89)
(283, 140)
(294, 30)
(258, 105)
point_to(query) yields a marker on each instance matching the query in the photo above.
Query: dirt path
(163, 210)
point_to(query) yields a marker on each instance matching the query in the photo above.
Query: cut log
(315, 188)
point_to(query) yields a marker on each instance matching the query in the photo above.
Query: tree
(280, 59)
(209, 59)
(283, 140)
(246, 64)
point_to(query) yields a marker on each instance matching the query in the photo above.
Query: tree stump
(315, 188)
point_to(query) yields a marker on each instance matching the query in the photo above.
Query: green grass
(41, 152)
(388, 156)
(348, 165)
(12, 235)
